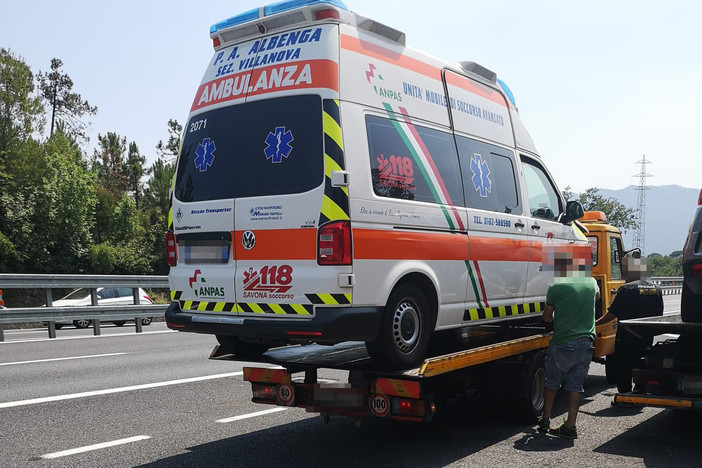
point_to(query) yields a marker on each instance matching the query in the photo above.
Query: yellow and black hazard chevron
(335, 204)
(329, 299)
(243, 307)
(503, 311)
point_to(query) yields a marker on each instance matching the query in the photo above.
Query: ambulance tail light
(697, 269)
(171, 249)
(699, 199)
(334, 243)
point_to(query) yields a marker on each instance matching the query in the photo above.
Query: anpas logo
(270, 282)
(202, 291)
(374, 78)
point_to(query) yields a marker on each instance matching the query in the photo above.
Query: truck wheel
(404, 331)
(529, 405)
(238, 347)
(690, 305)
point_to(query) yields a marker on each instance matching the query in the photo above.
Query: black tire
(241, 348)
(405, 330)
(146, 320)
(690, 305)
(119, 323)
(82, 323)
(58, 326)
(529, 405)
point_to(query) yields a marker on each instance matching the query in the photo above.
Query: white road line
(85, 337)
(89, 448)
(60, 359)
(250, 415)
(35, 401)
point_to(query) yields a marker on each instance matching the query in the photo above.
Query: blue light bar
(272, 9)
(507, 91)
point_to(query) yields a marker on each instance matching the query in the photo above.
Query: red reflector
(324, 14)
(334, 243)
(304, 333)
(653, 382)
(408, 407)
(174, 325)
(215, 42)
(171, 249)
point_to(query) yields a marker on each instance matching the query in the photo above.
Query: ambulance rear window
(268, 147)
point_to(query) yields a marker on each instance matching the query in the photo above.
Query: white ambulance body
(335, 185)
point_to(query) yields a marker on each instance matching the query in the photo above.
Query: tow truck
(503, 360)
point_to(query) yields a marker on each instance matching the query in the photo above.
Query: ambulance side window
(544, 202)
(412, 162)
(489, 178)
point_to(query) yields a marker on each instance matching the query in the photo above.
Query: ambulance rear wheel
(241, 348)
(404, 331)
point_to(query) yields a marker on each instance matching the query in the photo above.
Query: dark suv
(691, 306)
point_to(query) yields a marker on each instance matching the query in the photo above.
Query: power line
(640, 235)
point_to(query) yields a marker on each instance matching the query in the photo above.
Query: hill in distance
(669, 210)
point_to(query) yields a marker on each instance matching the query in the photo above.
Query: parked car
(106, 297)
(691, 303)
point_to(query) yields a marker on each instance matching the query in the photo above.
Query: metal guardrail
(96, 313)
(669, 284)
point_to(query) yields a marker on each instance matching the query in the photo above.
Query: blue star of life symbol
(481, 175)
(205, 154)
(278, 145)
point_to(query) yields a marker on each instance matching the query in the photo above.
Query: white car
(106, 297)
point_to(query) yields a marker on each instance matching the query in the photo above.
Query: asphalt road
(154, 399)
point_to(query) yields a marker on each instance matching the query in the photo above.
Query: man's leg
(574, 400)
(549, 398)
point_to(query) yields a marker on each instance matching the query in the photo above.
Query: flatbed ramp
(515, 355)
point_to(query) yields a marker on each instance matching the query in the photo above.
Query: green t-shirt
(573, 299)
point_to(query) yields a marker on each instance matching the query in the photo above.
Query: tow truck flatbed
(507, 359)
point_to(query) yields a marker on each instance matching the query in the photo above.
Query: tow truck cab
(607, 253)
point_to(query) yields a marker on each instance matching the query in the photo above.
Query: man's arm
(548, 313)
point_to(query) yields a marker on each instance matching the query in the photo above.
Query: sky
(599, 84)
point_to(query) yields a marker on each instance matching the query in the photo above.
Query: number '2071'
(198, 125)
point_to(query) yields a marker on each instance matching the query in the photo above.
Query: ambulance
(335, 185)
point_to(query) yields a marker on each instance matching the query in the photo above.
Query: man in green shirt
(570, 305)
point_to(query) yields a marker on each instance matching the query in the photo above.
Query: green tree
(110, 165)
(20, 112)
(659, 265)
(66, 106)
(169, 150)
(135, 171)
(618, 214)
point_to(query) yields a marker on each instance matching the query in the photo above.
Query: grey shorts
(567, 364)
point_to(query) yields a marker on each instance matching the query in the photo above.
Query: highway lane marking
(89, 448)
(131, 388)
(250, 415)
(84, 337)
(60, 359)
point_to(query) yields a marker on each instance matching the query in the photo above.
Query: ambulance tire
(529, 405)
(690, 305)
(241, 348)
(405, 329)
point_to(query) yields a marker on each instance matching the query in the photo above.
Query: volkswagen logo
(248, 240)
